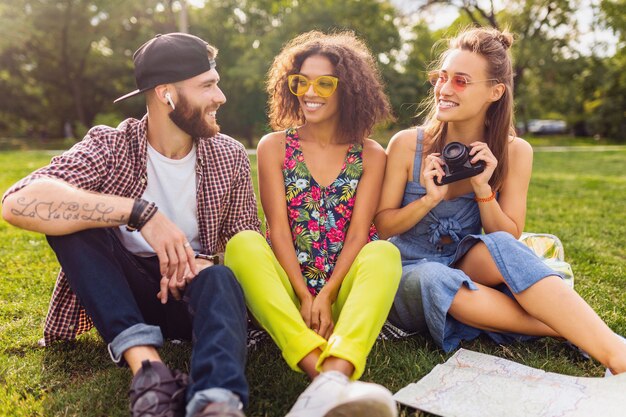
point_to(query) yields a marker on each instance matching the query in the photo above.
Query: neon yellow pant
(362, 305)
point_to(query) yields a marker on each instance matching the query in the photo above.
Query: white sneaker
(331, 394)
(364, 399)
(321, 395)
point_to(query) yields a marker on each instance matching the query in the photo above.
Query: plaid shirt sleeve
(84, 166)
(242, 212)
(87, 165)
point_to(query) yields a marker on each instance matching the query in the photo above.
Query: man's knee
(216, 292)
(218, 280)
(77, 238)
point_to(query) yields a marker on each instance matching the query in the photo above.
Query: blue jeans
(118, 291)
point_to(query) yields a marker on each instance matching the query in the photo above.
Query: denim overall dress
(429, 279)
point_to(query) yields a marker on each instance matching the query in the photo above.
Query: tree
(251, 34)
(605, 107)
(544, 32)
(66, 60)
(409, 84)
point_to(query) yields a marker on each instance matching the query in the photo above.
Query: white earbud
(168, 97)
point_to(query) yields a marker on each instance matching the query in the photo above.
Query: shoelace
(180, 379)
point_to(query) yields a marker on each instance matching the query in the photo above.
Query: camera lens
(455, 153)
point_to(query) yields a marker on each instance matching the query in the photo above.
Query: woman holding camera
(457, 282)
(324, 288)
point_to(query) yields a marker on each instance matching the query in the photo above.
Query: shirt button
(71, 327)
(142, 180)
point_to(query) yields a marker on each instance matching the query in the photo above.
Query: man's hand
(171, 246)
(175, 287)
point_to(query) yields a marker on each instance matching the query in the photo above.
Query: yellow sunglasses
(323, 86)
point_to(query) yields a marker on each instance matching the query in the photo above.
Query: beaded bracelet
(486, 199)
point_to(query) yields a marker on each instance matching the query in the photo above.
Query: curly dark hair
(362, 100)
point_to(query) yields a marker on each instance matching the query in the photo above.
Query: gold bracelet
(486, 199)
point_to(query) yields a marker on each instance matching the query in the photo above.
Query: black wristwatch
(213, 258)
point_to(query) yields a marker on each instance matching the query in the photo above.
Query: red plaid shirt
(113, 161)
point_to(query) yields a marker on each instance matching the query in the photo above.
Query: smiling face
(197, 101)
(456, 104)
(318, 109)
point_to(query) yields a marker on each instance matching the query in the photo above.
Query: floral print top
(319, 216)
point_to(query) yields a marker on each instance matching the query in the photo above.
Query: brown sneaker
(157, 392)
(220, 410)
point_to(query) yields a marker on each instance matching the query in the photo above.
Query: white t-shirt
(172, 187)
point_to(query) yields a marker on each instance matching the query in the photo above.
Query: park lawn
(578, 196)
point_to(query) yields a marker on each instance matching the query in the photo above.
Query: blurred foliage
(62, 62)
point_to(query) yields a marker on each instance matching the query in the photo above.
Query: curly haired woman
(324, 288)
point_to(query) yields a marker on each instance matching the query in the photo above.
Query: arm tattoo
(67, 210)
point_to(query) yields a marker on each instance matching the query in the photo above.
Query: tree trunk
(249, 137)
(183, 21)
(78, 102)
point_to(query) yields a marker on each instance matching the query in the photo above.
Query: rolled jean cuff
(211, 395)
(347, 350)
(137, 335)
(300, 346)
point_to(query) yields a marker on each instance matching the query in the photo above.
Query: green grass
(578, 196)
(382, 134)
(565, 140)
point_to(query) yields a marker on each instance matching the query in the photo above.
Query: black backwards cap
(167, 59)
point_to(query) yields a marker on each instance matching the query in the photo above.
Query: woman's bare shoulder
(272, 141)
(519, 148)
(403, 142)
(373, 151)
(370, 145)
(273, 137)
(272, 146)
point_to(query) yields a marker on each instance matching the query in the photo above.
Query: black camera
(457, 165)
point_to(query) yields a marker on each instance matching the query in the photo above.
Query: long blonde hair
(494, 46)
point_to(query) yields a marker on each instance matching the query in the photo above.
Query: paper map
(475, 384)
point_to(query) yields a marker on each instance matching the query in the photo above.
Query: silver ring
(186, 244)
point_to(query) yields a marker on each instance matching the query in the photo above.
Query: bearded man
(138, 216)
